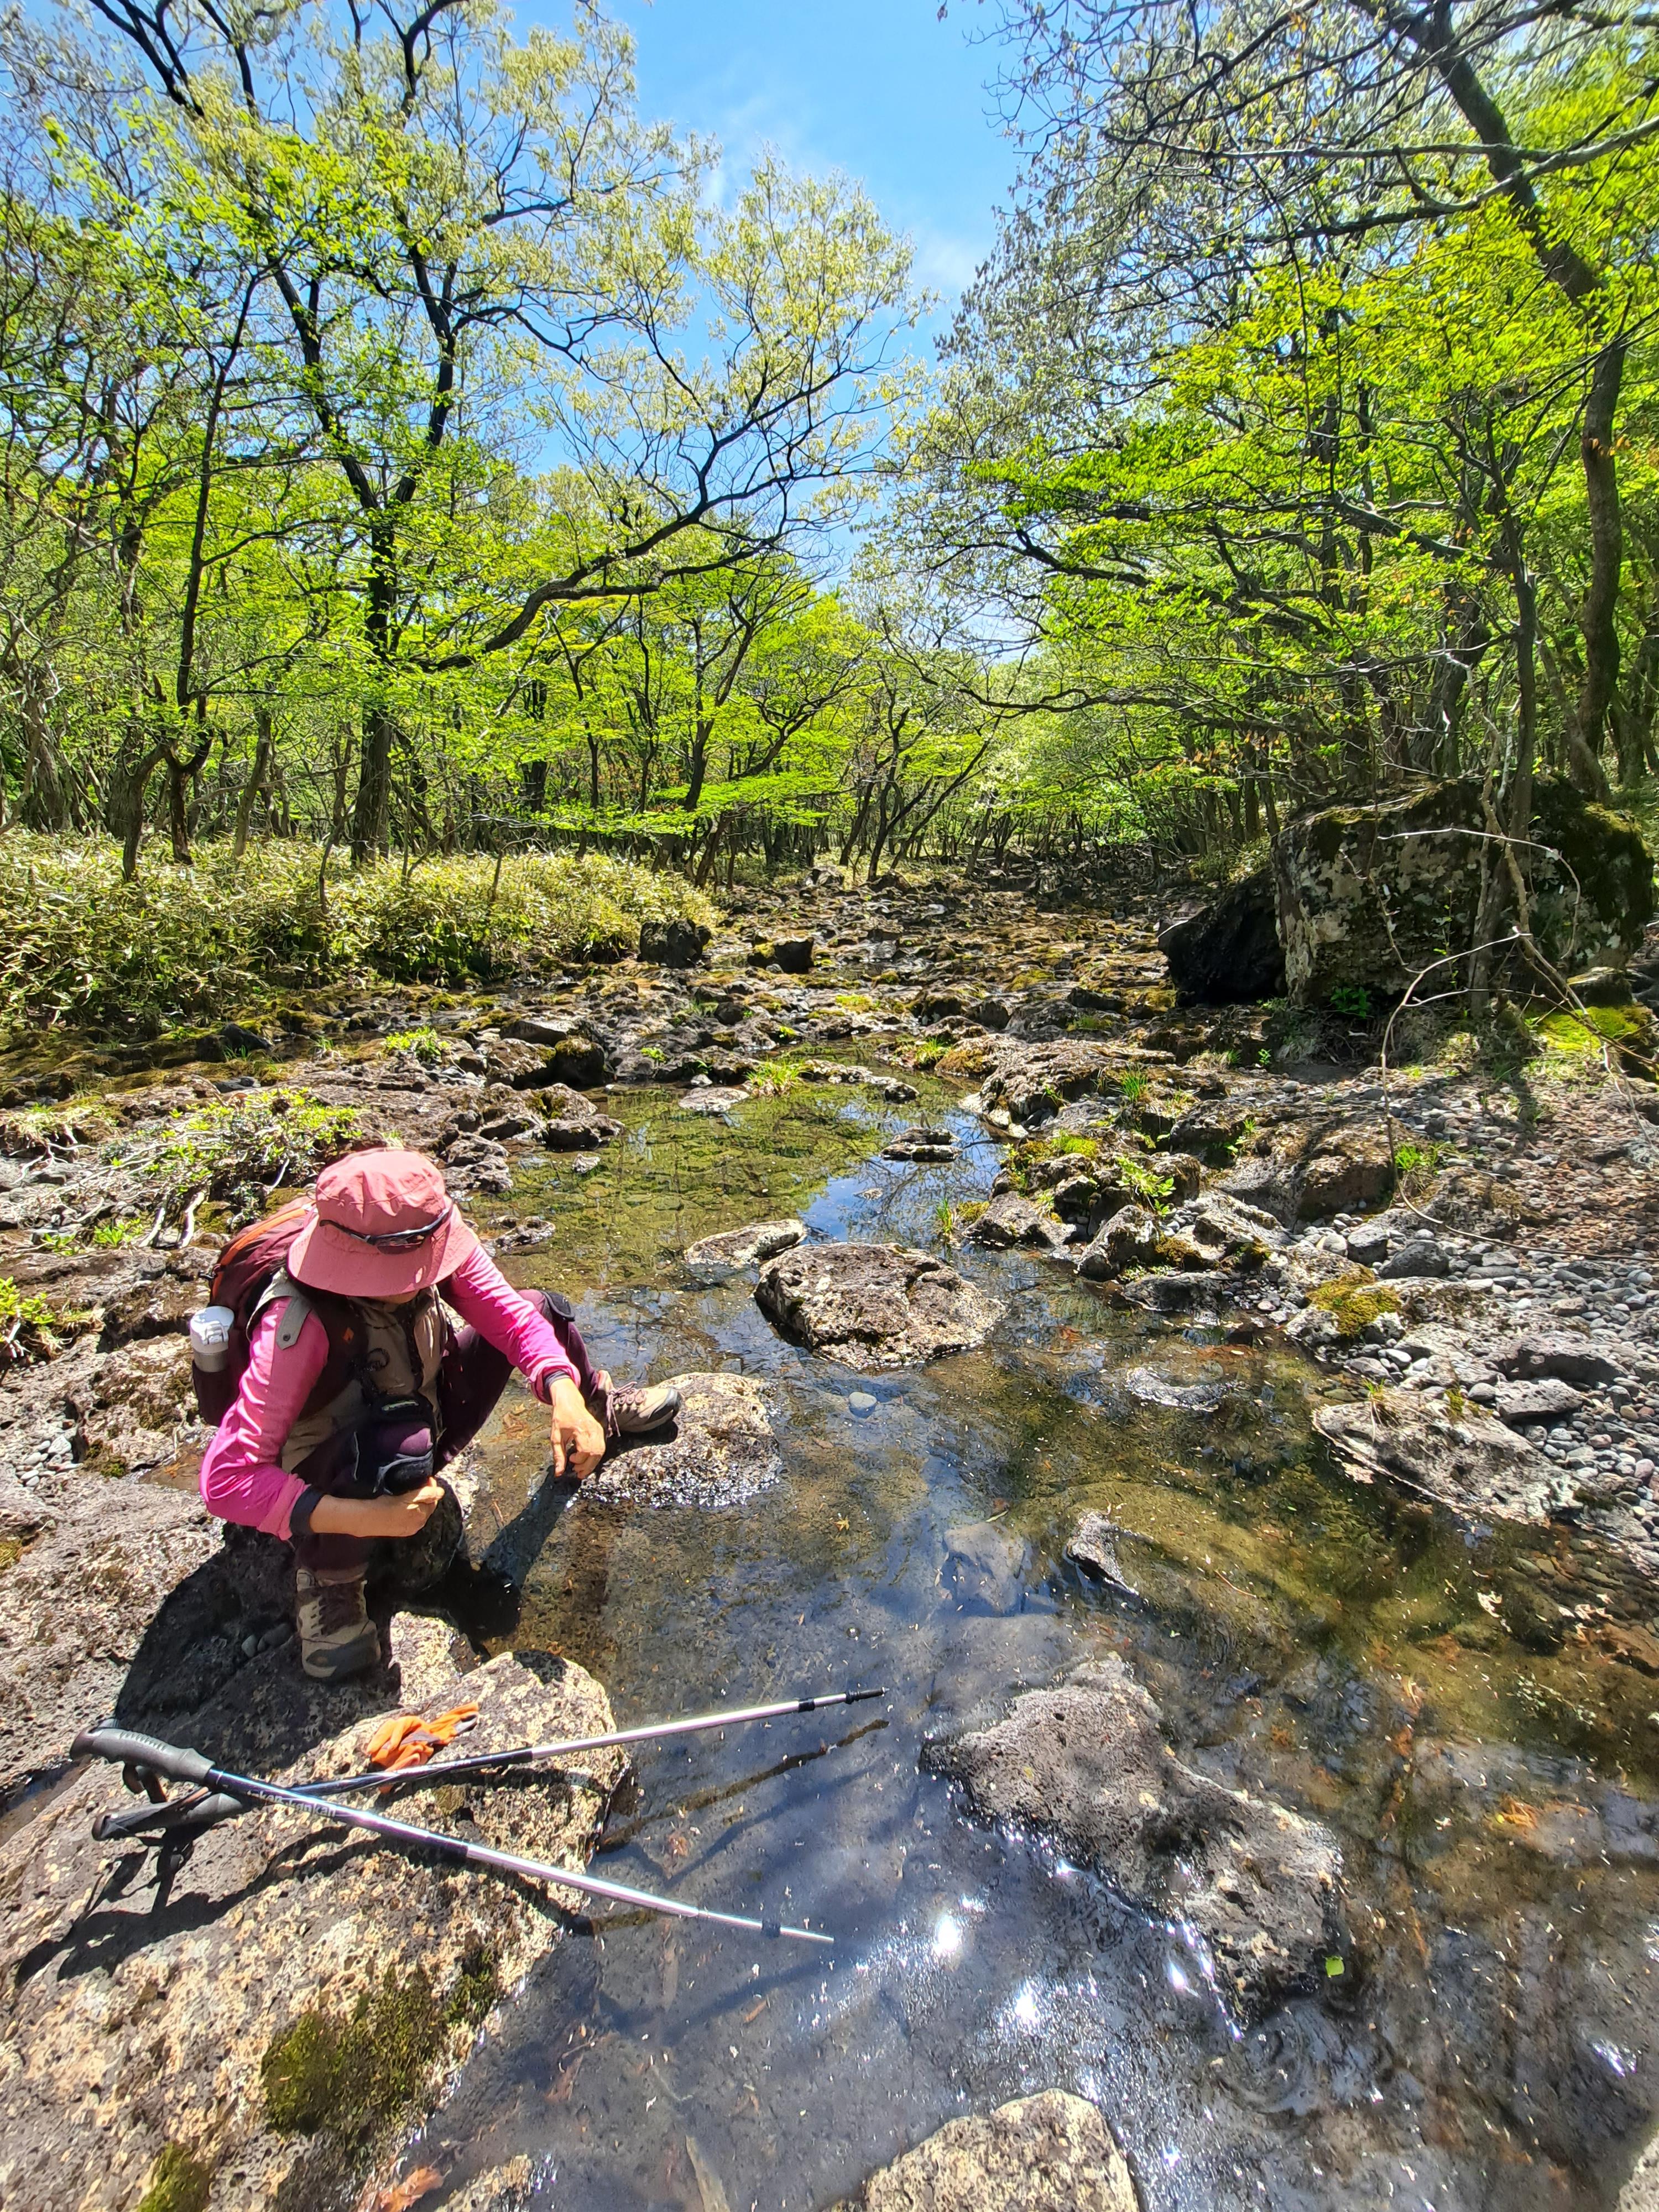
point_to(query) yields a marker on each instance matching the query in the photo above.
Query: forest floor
(1462, 1251)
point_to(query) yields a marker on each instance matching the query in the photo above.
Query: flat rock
(712, 1098)
(734, 1249)
(1050, 2153)
(1474, 1464)
(1091, 1548)
(875, 1305)
(1546, 1400)
(1555, 1352)
(1202, 1290)
(718, 1450)
(921, 1145)
(1154, 1389)
(77, 1602)
(211, 2023)
(1258, 1884)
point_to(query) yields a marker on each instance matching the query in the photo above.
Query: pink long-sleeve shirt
(242, 1477)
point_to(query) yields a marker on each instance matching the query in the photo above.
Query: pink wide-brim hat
(382, 1224)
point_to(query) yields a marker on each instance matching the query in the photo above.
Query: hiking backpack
(243, 1279)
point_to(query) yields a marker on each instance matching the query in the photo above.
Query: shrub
(191, 945)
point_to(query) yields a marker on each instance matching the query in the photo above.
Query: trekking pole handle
(126, 1747)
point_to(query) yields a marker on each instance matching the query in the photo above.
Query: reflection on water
(1443, 1696)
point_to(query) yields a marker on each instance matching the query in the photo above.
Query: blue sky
(880, 88)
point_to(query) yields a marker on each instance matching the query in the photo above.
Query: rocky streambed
(1239, 1475)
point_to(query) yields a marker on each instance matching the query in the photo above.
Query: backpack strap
(346, 1344)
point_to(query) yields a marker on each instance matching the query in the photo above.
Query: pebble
(862, 1403)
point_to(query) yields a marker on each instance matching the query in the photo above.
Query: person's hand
(578, 1438)
(405, 1513)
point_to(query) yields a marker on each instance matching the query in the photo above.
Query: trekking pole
(129, 1748)
(204, 1811)
(531, 1754)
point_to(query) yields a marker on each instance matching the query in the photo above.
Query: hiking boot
(336, 1637)
(636, 1413)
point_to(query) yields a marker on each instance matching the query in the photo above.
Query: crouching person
(356, 1343)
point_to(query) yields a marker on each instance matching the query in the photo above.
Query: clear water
(1306, 1638)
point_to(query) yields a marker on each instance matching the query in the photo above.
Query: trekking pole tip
(858, 1697)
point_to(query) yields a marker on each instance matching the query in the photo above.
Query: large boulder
(874, 1305)
(1050, 2153)
(1370, 895)
(1230, 949)
(267, 2023)
(675, 943)
(1087, 1762)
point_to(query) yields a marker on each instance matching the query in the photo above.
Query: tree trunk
(371, 815)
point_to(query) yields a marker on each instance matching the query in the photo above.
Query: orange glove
(408, 1740)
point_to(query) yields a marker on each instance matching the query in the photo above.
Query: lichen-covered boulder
(875, 1305)
(266, 2024)
(1050, 2153)
(1371, 895)
(1087, 1762)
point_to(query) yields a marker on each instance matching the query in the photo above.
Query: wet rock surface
(1088, 1764)
(875, 1305)
(1091, 1548)
(734, 1249)
(275, 2011)
(1467, 1460)
(718, 1450)
(1050, 2153)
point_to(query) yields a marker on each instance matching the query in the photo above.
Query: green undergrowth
(348, 2074)
(179, 945)
(240, 1150)
(32, 1329)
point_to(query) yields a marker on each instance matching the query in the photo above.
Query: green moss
(1587, 1032)
(930, 1053)
(476, 1989)
(1354, 1298)
(343, 2076)
(178, 2182)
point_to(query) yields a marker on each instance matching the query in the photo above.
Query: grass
(182, 946)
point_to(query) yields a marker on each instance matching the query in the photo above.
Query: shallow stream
(1436, 1692)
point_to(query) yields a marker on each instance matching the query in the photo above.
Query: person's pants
(470, 1384)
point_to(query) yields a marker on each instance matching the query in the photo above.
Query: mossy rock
(1354, 1299)
(178, 2182)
